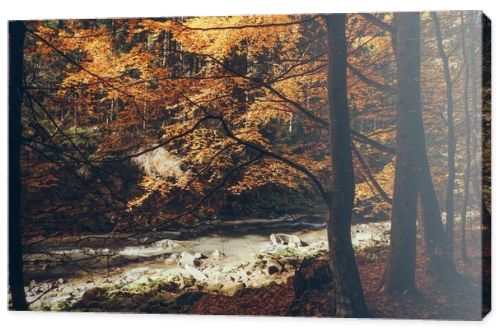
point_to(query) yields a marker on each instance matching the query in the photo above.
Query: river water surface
(62, 271)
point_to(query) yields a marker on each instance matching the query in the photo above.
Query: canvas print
(329, 165)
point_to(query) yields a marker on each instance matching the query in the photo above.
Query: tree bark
(486, 163)
(16, 283)
(438, 264)
(450, 189)
(476, 144)
(349, 298)
(463, 216)
(399, 274)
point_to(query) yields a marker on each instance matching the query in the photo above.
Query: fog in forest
(296, 165)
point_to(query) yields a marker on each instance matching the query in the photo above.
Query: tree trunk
(349, 298)
(438, 265)
(475, 100)
(400, 270)
(16, 45)
(463, 244)
(486, 163)
(449, 204)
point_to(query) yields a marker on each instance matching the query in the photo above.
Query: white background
(36, 322)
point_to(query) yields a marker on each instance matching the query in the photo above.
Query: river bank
(231, 272)
(224, 263)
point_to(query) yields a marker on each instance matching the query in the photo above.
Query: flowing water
(62, 271)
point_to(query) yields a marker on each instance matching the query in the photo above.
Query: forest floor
(460, 299)
(309, 292)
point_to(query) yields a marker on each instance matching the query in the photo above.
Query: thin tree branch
(369, 81)
(371, 178)
(264, 25)
(378, 22)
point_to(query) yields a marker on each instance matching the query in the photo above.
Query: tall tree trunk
(16, 44)
(439, 261)
(486, 162)
(475, 100)
(438, 264)
(399, 274)
(450, 189)
(463, 245)
(349, 298)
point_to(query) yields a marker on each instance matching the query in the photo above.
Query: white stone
(217, 254)
(188, 259)
(196, 273)
(199, 256)
(281, 239)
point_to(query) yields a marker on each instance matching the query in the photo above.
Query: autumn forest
(333, 165)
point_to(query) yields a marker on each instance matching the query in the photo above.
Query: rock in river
(187, 259)
(281, 239)
(273, 267)
(199, 256)
(217, 254)
(196, 273)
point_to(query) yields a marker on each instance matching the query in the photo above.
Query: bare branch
(369, 81)
(162, 142)
(378, 22)
(371, 178)
(359, 137)
(264, 25)
(278, 157)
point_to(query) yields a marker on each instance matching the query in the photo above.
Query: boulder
(102, 251)
(89, 251)
(217, 254)
(187, 259)
(185, 281)
(239, 276)
(196, 273)
(232, 289)
(273, 267)
(92, 296)
(213, 288)
(199, 256)
(214, 274)
(281, 239)
(312, 274)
